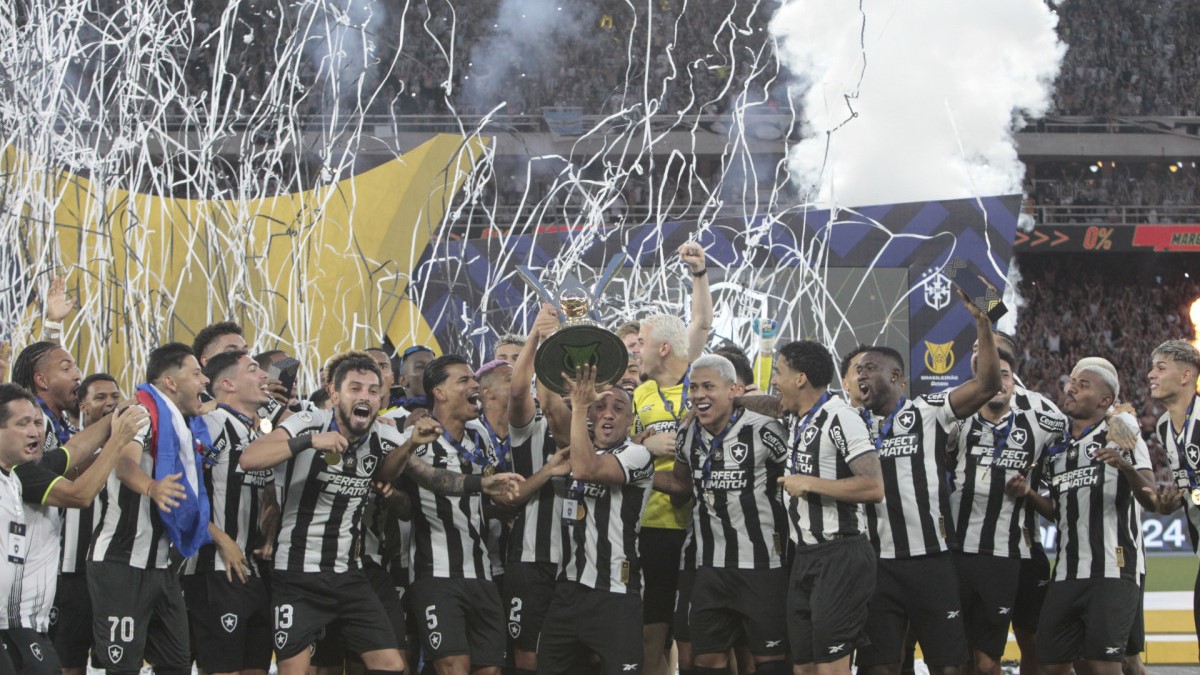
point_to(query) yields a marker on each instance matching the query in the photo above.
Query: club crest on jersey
(1193, 454)
(36, 650)
(115, 652)
(738, 452)
(280, 639)
(514, 629)
(1017, 437)
(435, 640)
(53, 615)
(905, 421)
(229, 622)
(1091, 449)
(367, 466)
(810, 433)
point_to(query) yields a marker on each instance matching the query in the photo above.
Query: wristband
(472, 484)
(700, 273)
(55, 326)
(298, 444)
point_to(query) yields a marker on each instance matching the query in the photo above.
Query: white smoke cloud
(526, 40)
(937, 87)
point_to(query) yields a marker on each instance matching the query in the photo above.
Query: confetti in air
(211, 117)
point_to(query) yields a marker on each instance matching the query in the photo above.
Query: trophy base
(578, 345)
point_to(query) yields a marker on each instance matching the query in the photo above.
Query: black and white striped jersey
(1099, 521)
(77, 529)
(449, 533)
(738, 520)
(1183, 457)
(1052, 420)
(235, 495)
(131, 531)
(824, 442)
(983, 457)
(601, 525)
(914, 517)
(322, 504)
(14, 543)
(536, 535)
(78, 524)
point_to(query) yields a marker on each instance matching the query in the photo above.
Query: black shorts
(329, 650)
(659, 549)
(681, 625)
(306, 602)
(528, 588)
(1087, 619)
(987, 588)
(1031, 591)
(141, 615)
(827, 598)
(1137, 632)
(922, 592)
(460, 617)
(31, 652)
(230, 622)
(726, 602)
(606, 624)
(71, 620)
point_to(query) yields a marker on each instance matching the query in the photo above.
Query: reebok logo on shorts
(952, 614)
(837, 648)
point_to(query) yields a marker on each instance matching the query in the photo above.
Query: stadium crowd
(1154, 72)
(1120, 317)
(420, 513)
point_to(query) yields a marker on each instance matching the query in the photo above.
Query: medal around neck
(580, 340)
(1196, 496)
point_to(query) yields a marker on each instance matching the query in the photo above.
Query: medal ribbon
(717, 441)
(353, 447)
(999, 435)
(244, 419)
(1180, 442)
(798, 431)
(887, 423)
(501, 448)
(62, 429)
(1067, 440)
(477, 457)
(683, 400)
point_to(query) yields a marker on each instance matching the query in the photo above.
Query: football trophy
(580, 340)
